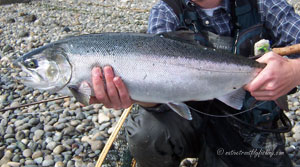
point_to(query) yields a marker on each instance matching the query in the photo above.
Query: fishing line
(228, 115)
(287, 126)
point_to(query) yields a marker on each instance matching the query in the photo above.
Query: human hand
(115, 95)
(276, 79)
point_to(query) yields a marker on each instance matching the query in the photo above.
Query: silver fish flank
(155, 68)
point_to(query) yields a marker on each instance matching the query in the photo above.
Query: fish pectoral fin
(81, 92)
(181, 109)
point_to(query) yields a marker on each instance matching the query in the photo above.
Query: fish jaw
(45, 68)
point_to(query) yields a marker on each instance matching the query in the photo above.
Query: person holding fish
(161, 138)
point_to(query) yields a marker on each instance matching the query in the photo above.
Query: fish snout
(16, 64)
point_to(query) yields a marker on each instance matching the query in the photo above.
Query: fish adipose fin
(181, 109)
(81, 92)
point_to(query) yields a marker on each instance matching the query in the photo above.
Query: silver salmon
(154, 68)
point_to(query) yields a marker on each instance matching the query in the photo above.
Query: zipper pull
(236, 40)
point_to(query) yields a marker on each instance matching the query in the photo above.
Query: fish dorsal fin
(181, 109)
(189, 37)
(183, 36)
(81, 92)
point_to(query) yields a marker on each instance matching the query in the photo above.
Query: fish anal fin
(181, 109)
(81, 92)
(282, 103)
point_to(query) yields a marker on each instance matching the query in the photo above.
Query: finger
(98, 86)
(265, 57)
(111, 88)
(123, 92)
(258, 82)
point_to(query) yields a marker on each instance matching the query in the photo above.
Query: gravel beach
(62, 133)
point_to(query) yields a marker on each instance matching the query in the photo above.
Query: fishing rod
(30, 104)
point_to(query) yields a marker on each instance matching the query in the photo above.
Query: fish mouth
(30, 75)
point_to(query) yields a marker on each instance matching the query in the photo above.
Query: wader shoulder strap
(245, 13)
(186, 13)
(176, 5)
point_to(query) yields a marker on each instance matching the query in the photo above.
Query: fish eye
(31, 63)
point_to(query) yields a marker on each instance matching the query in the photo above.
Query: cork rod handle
(288, 50)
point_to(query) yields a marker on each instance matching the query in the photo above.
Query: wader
(158, 137)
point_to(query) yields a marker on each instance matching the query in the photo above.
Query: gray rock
(7, 48)
(2, 130)
(59, 164)
(49, 162)
(20, 135)
(296, 136)
(60, 126)
(27, 153)
(34, 121)
(96, 145)
(57, 137)
(79, 163)
(74, 122)
(13, 164)
(38, 135)
(21, 146)
(9, 130)
(23, 127)
(6, 158)
(7, 136)
(68, 130)
(104, 125)
(23, 34)
(19, 123)
(29, 162)
(30, 18)
(102, 118)
(58, 149)
(80, 128)
(67, 157)
(49, 128)
(37, 154)
(80, 116)
(290, 149)
(51, 145)
(11, 147)
(38, 160)
(70, 164)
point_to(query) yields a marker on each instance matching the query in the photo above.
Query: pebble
(96, 145)
(296, 137)
(38, 135)
(48, 162)
(37, 154)
(27, 153)
(38, 160)
(62, 133)
(102, 118)
(20, 135)
(59, 164)
(58, 149)
(13, 164)
(51, 145)
(30, 18)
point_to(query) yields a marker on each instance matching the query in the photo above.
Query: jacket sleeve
(280, 18)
